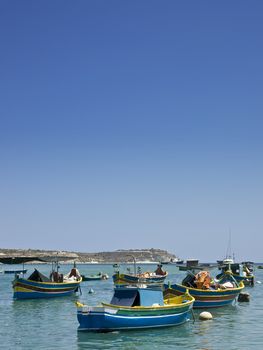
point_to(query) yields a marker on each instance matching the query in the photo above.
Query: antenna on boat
(134, 263)
(228, 251)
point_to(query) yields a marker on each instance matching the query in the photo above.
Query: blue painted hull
(15, 271)
(40, 295)
(209, 298)
(106, 322)
(27, 289)
(210, 304)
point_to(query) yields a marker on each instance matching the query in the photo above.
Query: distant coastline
(119, 256)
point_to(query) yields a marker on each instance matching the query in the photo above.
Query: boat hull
(209, 298)
(94, 278)
(15, 271)
(27, 289)
(105, 319)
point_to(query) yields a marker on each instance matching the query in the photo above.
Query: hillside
(147, 255)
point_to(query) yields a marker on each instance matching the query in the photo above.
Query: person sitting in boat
(55, 276)
(74, 272)
(159, 270)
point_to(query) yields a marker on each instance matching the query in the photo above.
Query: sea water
(52, 323)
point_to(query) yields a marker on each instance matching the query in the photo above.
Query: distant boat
(23, 271)
(135, 308)
(92, 261)
(96, 277)
(241, 272)
(194, 265)
(179, 261)
(172, 261)
(190, 264)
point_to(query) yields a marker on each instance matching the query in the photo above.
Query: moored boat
(172, 261)
(95, 277)
(38, 285)
(241, 272)
(158, 276)
(194, 265)
(136, 307)
(146, 277)
(209, 294)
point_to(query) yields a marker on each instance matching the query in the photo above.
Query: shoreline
(140, 256)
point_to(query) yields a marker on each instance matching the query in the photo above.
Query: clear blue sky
(132, 124)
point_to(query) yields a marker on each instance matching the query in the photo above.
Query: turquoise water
(52, 324)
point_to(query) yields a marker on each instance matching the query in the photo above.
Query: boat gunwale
(157, 307)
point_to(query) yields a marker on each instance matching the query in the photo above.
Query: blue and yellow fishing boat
(145, 277)
(136, 307)
(158, 276)
(241, 272)
(209, 294)
(38, 285)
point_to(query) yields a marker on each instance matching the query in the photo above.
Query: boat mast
(134, 263)
(229, 254)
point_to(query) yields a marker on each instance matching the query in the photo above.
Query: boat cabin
(137, 296)
(192, 262)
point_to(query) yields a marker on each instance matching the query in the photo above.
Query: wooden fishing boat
(241, 272)
(207, 294)
(158, 276)
(194, 265)
(96, 277)
(145, 277)
(137, 307)
(38, 285)
(172, 261)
